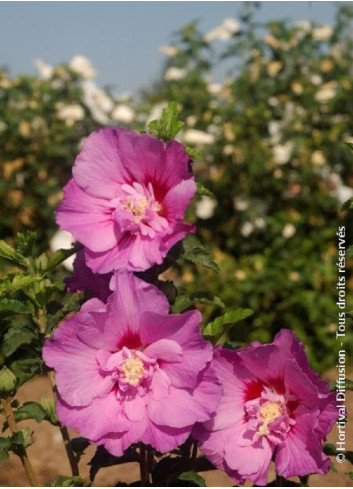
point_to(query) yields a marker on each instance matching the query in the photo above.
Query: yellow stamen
(269, 412)
(132, 371)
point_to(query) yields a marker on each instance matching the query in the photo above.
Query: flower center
(137, 207)
(137, 210)
(132, 371)
(267, 415)
(269, 412)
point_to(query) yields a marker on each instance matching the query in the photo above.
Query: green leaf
(5, 445)
(194, 477)
(15, 338)
(4, 454)
(7, 382)
(67, 481)
(194, 252)
(9, 307)
(26, 368)
(221, 325)
(21, 439)
(8, 253)
(48, 405)
(202, 190)
(30, 410)
(183, 302)
(25, 242)
(59, 256)
(19, 282)
(169, 124)
(193, 153)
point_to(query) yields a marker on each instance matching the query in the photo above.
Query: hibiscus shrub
(135, 369)
(270, 134)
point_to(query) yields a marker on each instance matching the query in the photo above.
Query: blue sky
(121, 38)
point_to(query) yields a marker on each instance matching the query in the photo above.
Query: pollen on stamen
(132, 371)
(269, 412)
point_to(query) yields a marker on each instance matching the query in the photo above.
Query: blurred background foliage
(269, 108)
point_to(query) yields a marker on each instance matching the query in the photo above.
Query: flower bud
(7, 382)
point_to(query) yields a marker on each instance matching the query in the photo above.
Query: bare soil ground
(49, 458)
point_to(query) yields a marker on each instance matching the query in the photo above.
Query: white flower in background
(275, 131)
(214, 129)
(318, 158)
(45, 71)
(231, 25)
(62, 240)
(3, 126)
(223, 32)
(316, 79)
(282, 153)
(228, 149)
(156, 112)
(273, 101)
(205, 207)
(83, 67)
(340, 191)
(191, 120)
(98, 101)
(169, 51)
(173, 74)
(343, 193)
(326, 92)
(303, 25)
(322, 33)
(240, 204)
(193, 136)
(288, 231)
(70, 113)
(214, 88)
(260, 222)
(246, 229)
(123, 113)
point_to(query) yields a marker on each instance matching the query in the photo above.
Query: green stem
(22, 452)
(65, 435)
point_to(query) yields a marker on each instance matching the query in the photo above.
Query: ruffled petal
(89, 219)
(99, 418)
(98, 169)
(76, 369)
(301, 453)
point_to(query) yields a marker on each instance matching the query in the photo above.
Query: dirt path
(49, 458)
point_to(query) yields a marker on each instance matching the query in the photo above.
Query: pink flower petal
(167, 350)
(88, 420)
(77, 374)
(198, 405)
(88, 218)
(164, 438)
(301, 453)
(98, 169)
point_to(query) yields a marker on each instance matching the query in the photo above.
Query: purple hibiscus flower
(127, 371)
(127, 199)
(273, 407)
